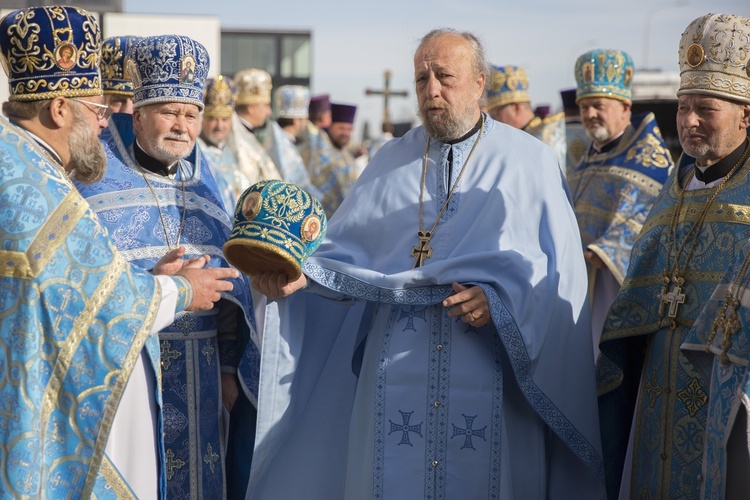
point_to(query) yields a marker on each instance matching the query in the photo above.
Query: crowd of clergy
(129, 371)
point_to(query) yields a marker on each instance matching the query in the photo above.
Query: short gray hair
(23, 110)
(479, 64)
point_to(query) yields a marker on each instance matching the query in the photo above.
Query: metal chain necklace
(673, 277)
(423, 250)
(161, 216)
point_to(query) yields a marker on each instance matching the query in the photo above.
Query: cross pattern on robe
(386, 93)
(77, 475)
(405, 428)
(62, 311)
(172, 463)
(6, 415)
(210, 457)
(84, 255)
(168, 355)
(412, 313)
(208, 351)
(24, 208)
(468, 432)
(422, 251)
(28, 467)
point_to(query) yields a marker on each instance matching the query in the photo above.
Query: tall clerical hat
(343, 113)
(253, 86)
(508, 85)
(292, 101)
(220, 96)
(277, 226)
(568, 97)
(604, 73)
(715, 57)
(319, 104)
(115, 80)
(49, 52)
(168, 68)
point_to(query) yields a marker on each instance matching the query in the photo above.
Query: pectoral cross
(674, 298)
(422, 251)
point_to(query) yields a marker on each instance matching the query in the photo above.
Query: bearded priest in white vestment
(438, 345)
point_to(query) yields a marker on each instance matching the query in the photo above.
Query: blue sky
(354, 43)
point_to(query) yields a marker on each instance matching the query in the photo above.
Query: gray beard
(447, 128)
(88, 160)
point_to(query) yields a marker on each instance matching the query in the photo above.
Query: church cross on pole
(386, 93)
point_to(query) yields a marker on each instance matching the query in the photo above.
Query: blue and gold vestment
(74, 318)
(719, 345)
(194, 350)
(613, 192)
(287, 158)
(551, 131)
(332, 171)
(671, 393)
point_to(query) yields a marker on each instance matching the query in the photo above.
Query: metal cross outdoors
(386, 93)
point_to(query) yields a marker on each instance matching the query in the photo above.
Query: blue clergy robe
(193, 349)
(331, 171)
(370, 390)
(719, 346)
(74, 319)
(671, 393)
(230, 181)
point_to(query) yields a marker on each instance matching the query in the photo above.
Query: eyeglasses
(100, 110)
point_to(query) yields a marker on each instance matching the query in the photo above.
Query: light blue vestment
(194, 348)
(229, 180)
(285, 155)
(370, 390)
(74, 318)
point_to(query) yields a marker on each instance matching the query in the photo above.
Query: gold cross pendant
(422, 251)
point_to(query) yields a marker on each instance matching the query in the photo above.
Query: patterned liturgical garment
(719, 345)
(144, 217)
(74, 318)
(332, 171)
(672, 397)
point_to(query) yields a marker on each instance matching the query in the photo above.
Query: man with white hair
(158, 194)
(80, 404)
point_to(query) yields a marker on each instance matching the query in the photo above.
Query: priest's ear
(57, 114)
(745, 120)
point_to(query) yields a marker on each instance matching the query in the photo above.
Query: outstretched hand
(173, 261)
(470, 303)
(207, 283)
(276, 284)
